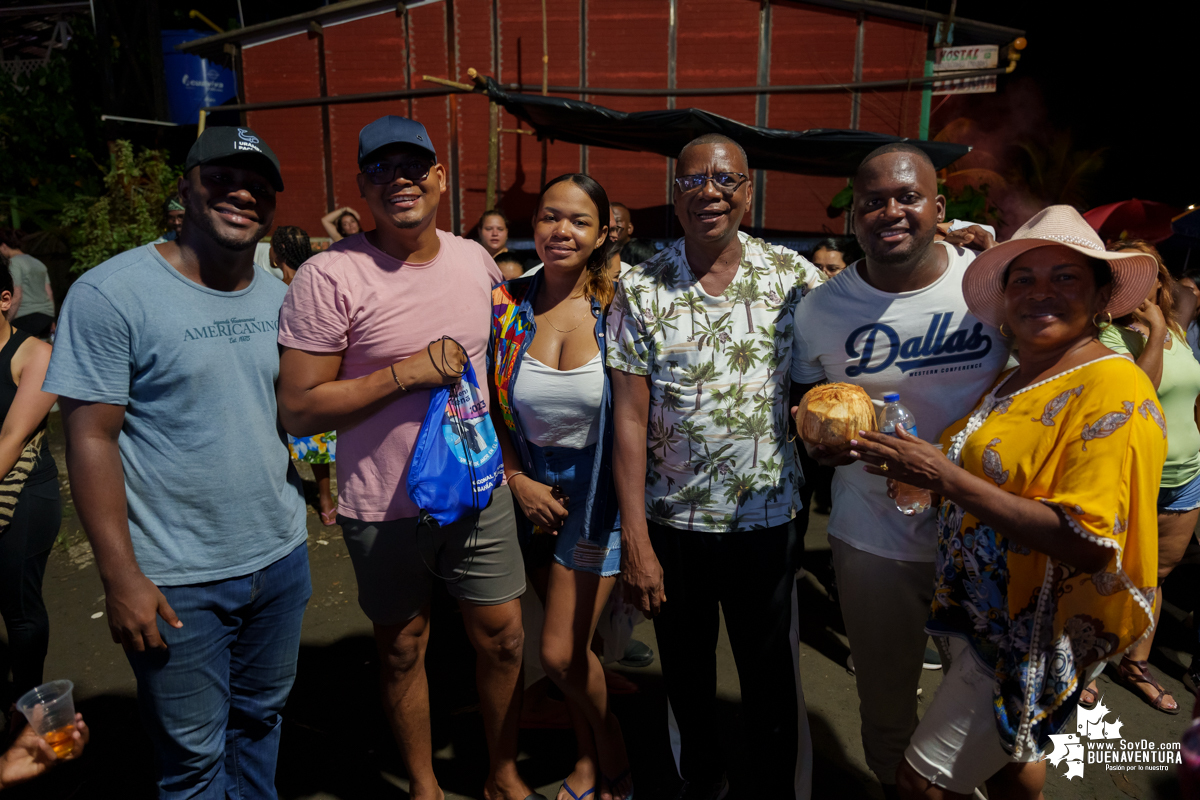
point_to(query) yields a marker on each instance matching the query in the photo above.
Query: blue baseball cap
(392, 130)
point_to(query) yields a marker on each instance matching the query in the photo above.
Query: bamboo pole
(466, 87)
(545, 54)
(493, 138)
(545, 88)
(493, 173)
(493, 176)
(476, 78)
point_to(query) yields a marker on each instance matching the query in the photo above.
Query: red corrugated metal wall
(892, 50)
(288, 69)
(627, 46)
(521, 62)
(717, 44)
(808, 46)
(474, 50)
(366, 56)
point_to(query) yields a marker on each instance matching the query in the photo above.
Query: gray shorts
(478, 557)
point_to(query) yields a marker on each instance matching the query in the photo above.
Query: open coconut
(832, 414)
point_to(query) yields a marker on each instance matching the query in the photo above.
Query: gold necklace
(560, 330)
(546, 316)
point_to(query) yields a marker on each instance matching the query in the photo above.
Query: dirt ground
(336, 744)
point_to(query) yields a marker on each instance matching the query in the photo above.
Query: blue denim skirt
(1178, 499)
(571, 471)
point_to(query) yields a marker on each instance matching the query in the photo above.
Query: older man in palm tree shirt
(708, 486)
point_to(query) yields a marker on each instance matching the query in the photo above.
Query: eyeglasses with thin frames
(726, 182)
(382, 173)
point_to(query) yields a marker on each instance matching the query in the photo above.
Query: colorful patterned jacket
(513, 329)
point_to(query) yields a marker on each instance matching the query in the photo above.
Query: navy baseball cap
(222, 142)
(392, 130)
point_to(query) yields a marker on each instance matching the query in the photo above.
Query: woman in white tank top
(552, 405)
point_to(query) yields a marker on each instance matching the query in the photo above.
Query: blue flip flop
(577, 796)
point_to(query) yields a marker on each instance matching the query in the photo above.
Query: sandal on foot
(571, 792)
(614, 781)
(1131, 673)
(1094, 692)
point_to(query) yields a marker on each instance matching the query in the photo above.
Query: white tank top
(559, 408)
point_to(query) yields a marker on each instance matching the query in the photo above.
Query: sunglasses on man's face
(726, 182)
(384, 172)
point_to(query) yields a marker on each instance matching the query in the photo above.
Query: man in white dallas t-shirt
(894, 321)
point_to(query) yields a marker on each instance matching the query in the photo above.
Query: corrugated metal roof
(213, 47)
(985, 31)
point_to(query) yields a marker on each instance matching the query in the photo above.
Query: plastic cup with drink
(50, 709)
(910, 500)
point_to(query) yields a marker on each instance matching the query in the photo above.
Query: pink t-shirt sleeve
(314, 315)
(493, 271)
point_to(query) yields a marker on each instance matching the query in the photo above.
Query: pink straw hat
(1134, 273)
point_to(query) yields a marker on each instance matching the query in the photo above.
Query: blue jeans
(212, 701)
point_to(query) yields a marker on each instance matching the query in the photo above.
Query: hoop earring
(1002, 333)
(1102, 325)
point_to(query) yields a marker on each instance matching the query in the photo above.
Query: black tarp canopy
(812, 152)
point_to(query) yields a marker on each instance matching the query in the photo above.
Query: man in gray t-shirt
(32, 308)
(165, 362)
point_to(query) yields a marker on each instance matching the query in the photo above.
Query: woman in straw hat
(1048, 522)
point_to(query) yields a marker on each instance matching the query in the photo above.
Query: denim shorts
(1178, 499)
(571, 471)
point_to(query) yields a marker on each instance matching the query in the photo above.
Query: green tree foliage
(129, 211)
(47, 122)
(1057, 171)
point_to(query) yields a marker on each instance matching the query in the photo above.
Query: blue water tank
(192, 82)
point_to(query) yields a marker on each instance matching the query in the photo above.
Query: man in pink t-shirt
(362, 329)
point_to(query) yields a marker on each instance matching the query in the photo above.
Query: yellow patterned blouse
(1090, 442)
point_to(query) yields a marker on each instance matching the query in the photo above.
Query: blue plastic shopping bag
(456, 462)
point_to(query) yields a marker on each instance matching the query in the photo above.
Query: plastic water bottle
(910, 500)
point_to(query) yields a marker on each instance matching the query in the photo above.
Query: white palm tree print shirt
(718, 458)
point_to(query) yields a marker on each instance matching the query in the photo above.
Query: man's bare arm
(312, 400)
(641, 572)
(131, 600)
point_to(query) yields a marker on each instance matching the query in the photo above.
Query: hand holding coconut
(828, 419)
(838, 425)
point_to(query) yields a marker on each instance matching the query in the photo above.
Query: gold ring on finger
(883, 467)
